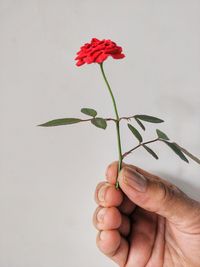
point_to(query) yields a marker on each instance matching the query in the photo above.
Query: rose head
(98, 51)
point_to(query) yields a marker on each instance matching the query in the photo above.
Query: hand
(148, 222)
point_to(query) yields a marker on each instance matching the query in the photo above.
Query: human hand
(148, 222)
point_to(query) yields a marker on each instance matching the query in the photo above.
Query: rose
(98, 51)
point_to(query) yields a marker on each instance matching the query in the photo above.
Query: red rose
(97, 51)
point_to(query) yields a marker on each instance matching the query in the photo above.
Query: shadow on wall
(192, 191)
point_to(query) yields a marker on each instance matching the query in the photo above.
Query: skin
(148, 222)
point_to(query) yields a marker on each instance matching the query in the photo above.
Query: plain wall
(48, 175)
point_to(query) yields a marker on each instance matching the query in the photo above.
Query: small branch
(126, 118)
(139, 145)
(111, 119)
(107, 119)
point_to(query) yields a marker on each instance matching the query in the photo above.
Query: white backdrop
(48, 176)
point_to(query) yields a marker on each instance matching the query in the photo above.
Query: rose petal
(101, 58)
(118, 56)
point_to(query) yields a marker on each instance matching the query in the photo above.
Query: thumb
(156, 195)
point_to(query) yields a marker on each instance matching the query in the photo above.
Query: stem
(127, 118)
(117, 122)
(107, 119)
(140, 144)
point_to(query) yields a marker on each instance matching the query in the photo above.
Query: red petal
(117, 56)
(101, 58)
(80, 63)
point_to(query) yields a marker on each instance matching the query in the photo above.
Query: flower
(97, 51)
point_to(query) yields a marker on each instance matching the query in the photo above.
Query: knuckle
(169, 192)
(165, 194)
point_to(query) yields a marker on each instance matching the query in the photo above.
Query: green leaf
(99, 122)
(140, 123)
(135, 132)
(89, 111)
(187, 153)
(149, 118)
(59, 122)
(150, 151)
(174, 147)
(162, 135)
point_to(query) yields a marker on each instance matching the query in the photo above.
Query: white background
(48, 175)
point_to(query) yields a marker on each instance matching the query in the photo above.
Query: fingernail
(102, 193)
(135, 180)
(101, 214)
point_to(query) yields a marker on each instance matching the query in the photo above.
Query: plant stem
(140, 144)
(127, 118)
(116, 122)
(107, 119)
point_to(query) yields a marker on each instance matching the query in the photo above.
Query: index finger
(112, 172)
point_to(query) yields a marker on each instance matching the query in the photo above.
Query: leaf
(140, 123)
(59, 122)
(99, 122)
(187, 153)
(149, 118)
(89, 111)
(162, 135)
(135, 132)
(150, 151)
(175, 148)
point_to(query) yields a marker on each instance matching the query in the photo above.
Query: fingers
(153, 194)
(111, 219)
(107, 218)
(106, 195)
(126, 206)
(111, 223)
(112, 172)
(143, 236)
(157, 255)
(125, 227)
(113, 245)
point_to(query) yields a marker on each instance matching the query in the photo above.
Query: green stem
(140, 144)
(117, 122)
